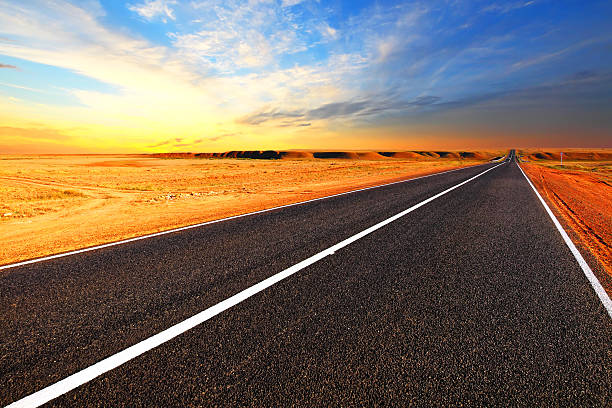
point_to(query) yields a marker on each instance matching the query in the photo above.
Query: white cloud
(152, 9)
(232, 35)
(542, 58)
(507, 7)
(289, 3)
(385, 48)
(27, 88)
(62, 34)
(328, 32)
(151, 82)
(224, 64)
(161, 89)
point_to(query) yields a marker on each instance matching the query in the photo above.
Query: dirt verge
(582, 198)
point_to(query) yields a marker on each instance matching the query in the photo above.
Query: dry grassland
(52, 204)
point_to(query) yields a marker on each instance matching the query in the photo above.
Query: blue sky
(305, 74)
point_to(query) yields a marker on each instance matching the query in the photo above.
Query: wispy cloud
(328, 32)
(74, 38)
(221, 136)
(175, 142)
(506, 7)
(289, 3)
(294, 124)
(261, 70)
(585, 75)
(229, 35)
(164, 143)
(26, 88)
(266, 115)
(152, 9)
(355, 109)
(546, 57)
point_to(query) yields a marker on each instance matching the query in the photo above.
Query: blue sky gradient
(310, 74)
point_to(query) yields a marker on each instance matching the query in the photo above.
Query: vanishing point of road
(452, 289)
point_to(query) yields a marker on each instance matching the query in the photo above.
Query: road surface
(469, 295)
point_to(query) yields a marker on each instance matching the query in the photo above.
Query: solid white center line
(75, 380)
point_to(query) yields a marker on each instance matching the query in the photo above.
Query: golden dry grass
(52, 204)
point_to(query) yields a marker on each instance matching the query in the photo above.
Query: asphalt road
(473, 299)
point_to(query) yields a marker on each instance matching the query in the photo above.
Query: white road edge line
(601, 292)
(173, 230)
(75, 380)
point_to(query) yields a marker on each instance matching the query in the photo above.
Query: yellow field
(52, 204)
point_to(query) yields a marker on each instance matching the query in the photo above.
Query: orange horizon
(440, 149)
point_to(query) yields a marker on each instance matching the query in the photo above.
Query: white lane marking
(170, 231)
(601, 292)
(75, 380)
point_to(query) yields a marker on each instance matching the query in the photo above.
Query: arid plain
(580, 192)
(57, 203)
(53, 204)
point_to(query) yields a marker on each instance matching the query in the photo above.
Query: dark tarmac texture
(473, 299)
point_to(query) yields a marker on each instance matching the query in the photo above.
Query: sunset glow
(164, 76)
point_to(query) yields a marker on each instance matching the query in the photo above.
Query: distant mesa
(421, 155)
(569, 155)
(349, 155)
(292, 154)
(401, 155)
(335, 155)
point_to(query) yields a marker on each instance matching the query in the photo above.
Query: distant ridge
(339, 155)
(571, 155)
